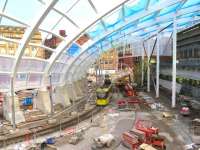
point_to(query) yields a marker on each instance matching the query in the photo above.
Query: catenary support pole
(157, 65)
(148, 66)
(142, 80)
(51, 93)
(13, 103)
(174, 65)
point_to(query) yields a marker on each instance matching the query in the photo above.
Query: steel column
(142, 80)
(148, 66)
(157, 65)
(174, 64)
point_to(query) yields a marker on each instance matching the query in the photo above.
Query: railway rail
(62, 120)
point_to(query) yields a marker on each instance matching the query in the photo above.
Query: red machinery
(133, 139)
(146, 127)
(150, 135)
(122, 103)
(129, 91)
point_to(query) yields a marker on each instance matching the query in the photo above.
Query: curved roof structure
(91, 26)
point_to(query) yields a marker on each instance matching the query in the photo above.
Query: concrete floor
(115, 122)
(111, 120)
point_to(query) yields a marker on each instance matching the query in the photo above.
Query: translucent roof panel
(35, 46)
(134, 6)
(113, 19)
(22, 10)
(82, 13)
(169, 9)
(103, 6)
(190, 3)
(73, 50)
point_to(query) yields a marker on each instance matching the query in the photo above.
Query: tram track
(64, 120)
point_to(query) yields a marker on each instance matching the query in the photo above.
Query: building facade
(109, 60)
(188, 62)
(16, 33)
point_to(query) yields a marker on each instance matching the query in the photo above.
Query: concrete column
(174, 65)
(148, 66)
(51, 93)
(142, 80)
(157, 65)
(13, 102)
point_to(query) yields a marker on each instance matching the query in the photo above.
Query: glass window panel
(63, 58)
(6, 64)
(34, 79)
(4, 81)
(21, 80)
(32, 65)
(57, 68)
(55, 78)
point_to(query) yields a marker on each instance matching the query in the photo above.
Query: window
(190, 52)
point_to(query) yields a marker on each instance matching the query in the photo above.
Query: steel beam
(21, 48)
(93, 6)
(4, 7)
(164, 18)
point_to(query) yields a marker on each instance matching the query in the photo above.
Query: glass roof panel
(31, 69)
(50, 20)
(190, 3)
(66, 5)
(152, 2)
(103, 6)
(22, 10)
(169, 9)
(64, 24)
(96, 30)
(134, 7)
(82, 13)
(112, 19)
(74, 49)
(2, 4)
(147, 18)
